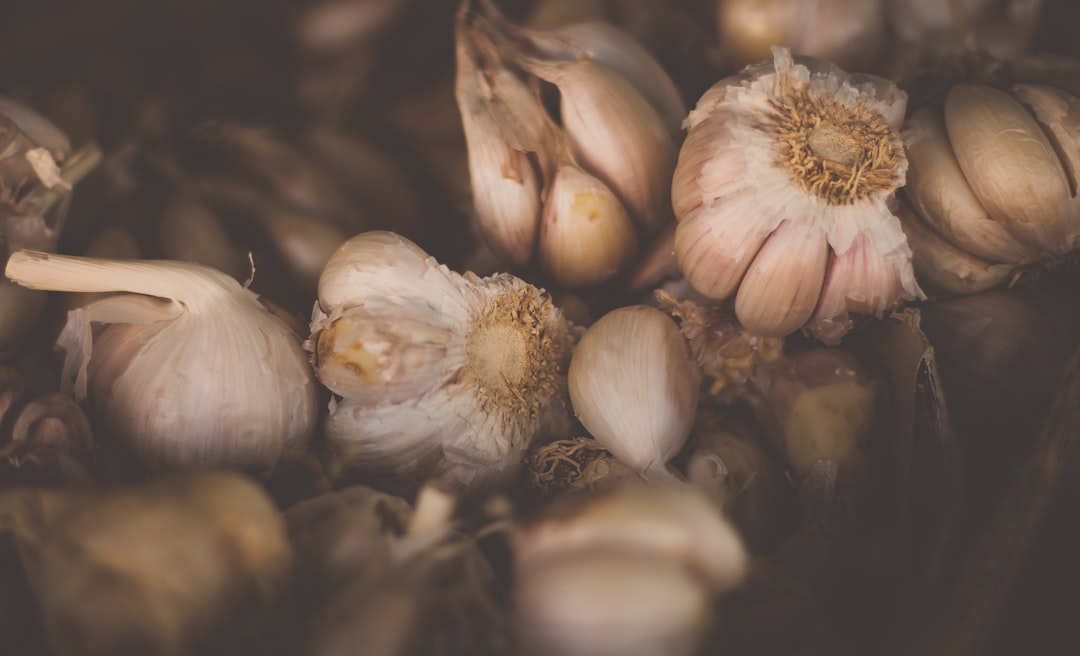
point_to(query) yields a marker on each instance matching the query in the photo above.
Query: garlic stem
(191, 284)
(77, 166)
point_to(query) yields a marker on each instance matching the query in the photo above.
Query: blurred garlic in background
(849, 33)
(37, 173)
(784, 192)
(1004, 28)
(634, 387)
(192, 371)
(438, 374)
(630, 570)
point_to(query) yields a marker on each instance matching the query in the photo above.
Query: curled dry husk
(993, 178)
(184, 564)
(577, 464)
(192, 370)
(435, 373)
(630, 570)
(784, 192)
(37, 173)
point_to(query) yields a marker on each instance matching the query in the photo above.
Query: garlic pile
(783, 193)
(438, 374)
(576, 194)
(192, 369)
(992, 180)
(634, 387)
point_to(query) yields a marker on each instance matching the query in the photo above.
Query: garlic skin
(992, 182)
(586, 235)
(784, 190)
(848, 33)
(634, 387)
(192, 371)
(439, 374)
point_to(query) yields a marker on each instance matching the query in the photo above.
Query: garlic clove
(865, 279)
(614, 48)
(941, 266)
(1009, 163)
(937, 188)
(615, 134)
(782, 286)
(1058, 112)
(609, 603)
(206, 376)
(509, 145)
(586, 235)
(634, 387)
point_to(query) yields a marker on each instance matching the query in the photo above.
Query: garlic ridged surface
(438, 374)
(784, 190)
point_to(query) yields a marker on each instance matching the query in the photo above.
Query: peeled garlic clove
(600, 604)
(674, 524)
(938, 189)
(586, 235)
(615, 134)
(453, 375)
(1009, 163)
(848, 32)
(634, 387)
(618, 51)
(796, 158)
(940, 266)
(194, 371)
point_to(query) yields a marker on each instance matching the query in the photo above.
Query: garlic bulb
(992, 181)
(849, 33)
(629, 570)
(192, 371)
(574, 465)
(439, 374)
(782, 192)
(634, 387)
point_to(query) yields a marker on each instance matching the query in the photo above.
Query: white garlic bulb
(634, 387)
(194, 370)
(438, 373)
(783, 191)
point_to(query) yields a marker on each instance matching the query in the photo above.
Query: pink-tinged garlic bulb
(438, 374)
(784, 191)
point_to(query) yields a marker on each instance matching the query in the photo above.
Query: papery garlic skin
(439, 374)
(783, 193)
(193, 371)
(634, 387)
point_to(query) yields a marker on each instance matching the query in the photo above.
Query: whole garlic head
(192, 371)
(438, 373)
(783, 193)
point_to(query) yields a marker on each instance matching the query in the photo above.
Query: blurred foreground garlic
(849, 33)
(438, 374)
(193, 370)
(993, 184)
(630, 571)
(186, 564)
(783, 193)
(634, 387)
